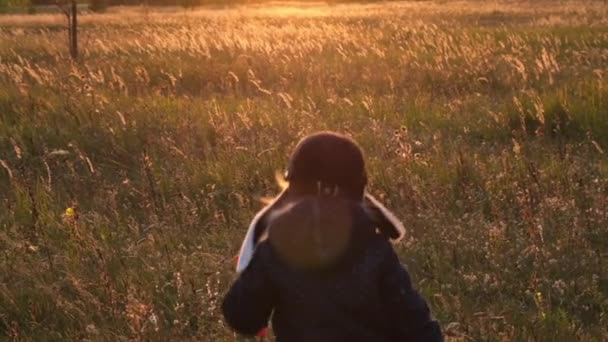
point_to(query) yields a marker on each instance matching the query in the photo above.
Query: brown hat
(328, 160)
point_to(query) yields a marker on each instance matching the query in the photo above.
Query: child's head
(326, 190)
(329, 163)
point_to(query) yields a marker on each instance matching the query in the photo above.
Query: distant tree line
(148, 2)
(162, 2)
(101, 5)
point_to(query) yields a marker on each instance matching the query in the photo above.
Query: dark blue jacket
(366, 296)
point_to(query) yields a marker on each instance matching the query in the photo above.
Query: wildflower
(154, 321)
(559, 286)
(91, 329)
(70, 215)
(470, 278)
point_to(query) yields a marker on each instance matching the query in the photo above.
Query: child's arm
(249, 302)
(409, 315)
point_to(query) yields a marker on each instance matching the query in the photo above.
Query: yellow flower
(69, 212)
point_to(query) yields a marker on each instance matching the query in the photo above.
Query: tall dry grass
(485, 127)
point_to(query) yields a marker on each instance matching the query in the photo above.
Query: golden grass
(485, 126)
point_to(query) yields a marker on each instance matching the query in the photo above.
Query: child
(319, 261)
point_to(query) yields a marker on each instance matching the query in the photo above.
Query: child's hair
(326, 187)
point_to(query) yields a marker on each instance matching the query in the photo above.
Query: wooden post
(73, 31)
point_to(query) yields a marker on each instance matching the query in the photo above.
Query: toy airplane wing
(254, 233)
(387, 222)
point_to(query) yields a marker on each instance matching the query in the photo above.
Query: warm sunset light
(442, 170)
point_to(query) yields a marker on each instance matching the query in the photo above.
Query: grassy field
(485, 126)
